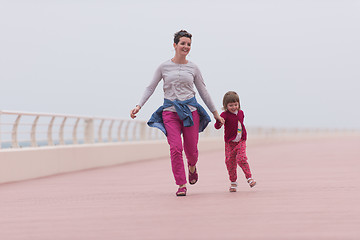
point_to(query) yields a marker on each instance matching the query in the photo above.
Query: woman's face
(183, 47)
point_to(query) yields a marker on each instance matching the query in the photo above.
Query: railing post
(137, 129)
(74, 135)
(109, 132)
(49, 134)
(14, 142)
(100, 130)
(119, 131)
(89, 131)
(33, 132)
(126, 130)
(61, 132)
(143, 135)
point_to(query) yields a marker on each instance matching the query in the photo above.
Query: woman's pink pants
(174, 127)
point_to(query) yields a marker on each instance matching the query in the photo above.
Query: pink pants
(235, 154)
(174, 127)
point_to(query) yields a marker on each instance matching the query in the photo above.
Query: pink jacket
(231, 125)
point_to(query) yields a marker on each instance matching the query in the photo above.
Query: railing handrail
(121, 132)
(41, 114)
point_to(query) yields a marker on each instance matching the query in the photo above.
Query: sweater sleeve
(242, 115)
(201, 87)
(149, 90)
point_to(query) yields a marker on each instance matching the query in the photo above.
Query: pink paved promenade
(308, 189)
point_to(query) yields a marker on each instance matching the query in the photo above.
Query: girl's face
(233, 107)
(183, 47)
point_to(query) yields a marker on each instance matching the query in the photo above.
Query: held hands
(218, 118)
(134, 111)
(215, 113)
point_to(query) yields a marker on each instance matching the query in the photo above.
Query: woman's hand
(218, 117)
(134, 111)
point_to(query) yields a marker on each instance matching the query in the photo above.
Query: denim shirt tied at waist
(184, 113)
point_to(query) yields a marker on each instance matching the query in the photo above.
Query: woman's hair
(230, 97)
(180, 34)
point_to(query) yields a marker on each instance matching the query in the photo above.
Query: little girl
(235, 139)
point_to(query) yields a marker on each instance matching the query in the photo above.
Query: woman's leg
(191, 137)
(241, 159)
(173, 126)
(230, 160)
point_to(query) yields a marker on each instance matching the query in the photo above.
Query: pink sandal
(181, 191)
(193, 177)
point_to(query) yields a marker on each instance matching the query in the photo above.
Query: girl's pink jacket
(231, 125)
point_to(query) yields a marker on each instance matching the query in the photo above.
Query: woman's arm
(204, 94)
(219, 121)
(134, 111)
(218, 117)
(149, 90)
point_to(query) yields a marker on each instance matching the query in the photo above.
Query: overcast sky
(293, 63)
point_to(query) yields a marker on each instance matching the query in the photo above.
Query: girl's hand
(134, 111)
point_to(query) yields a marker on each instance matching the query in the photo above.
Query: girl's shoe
(181, 191)
(233, 187)
(193, 177)
(251, 182)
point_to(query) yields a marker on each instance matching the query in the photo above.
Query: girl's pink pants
(174, 127)
(235, 154)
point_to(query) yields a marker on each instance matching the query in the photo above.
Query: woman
(180, 112)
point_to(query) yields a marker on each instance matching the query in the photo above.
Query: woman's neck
(179, 59)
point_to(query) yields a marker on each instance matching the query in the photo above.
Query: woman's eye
(184, 43)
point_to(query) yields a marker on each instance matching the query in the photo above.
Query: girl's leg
(242, 159)
(230, 161)
(173, 126)
(191, 137)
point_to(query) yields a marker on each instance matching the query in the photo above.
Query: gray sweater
(179, 81)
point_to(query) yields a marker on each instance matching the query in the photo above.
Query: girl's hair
(230, 97)
(180, 34)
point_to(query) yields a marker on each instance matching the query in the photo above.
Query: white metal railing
(26, 129)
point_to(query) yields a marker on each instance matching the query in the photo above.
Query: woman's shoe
(181, 191)
(251, 182)
(233, 187)
(193, 177)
